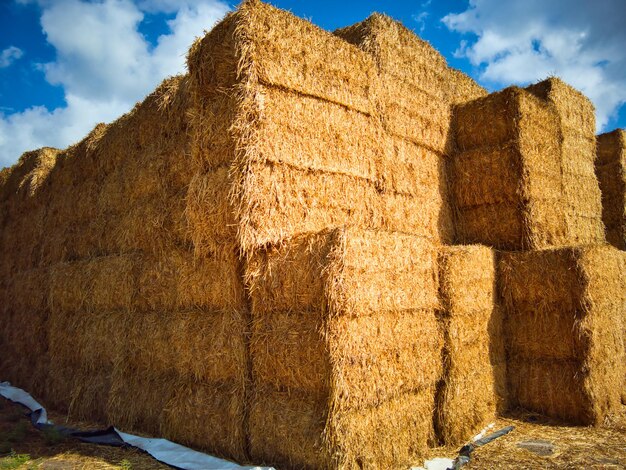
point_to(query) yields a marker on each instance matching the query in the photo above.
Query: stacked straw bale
(580, 190)
(415, 91)
(473, 384)
(118, 305)
(250, 261)
(564, 314)
(611, 172)
(345, 350)
(520, 163)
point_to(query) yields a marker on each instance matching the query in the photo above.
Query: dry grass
(576, 376)
(473, 385)
(611, 172)
(523, 177)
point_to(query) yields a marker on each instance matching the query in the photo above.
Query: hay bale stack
(513, 177)
(283, 109)
(152, 317)
(473, 385)
(345, 349)
(580, 190)
(415, 91)
(564, 314)
(611, 172)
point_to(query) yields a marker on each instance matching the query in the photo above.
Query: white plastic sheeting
(163, 450)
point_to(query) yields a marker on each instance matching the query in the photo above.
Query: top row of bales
(319, 143)
(524, 175)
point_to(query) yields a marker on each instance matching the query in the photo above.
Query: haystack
(564, 313)
(518, 169)
(345, 349)
(611, 172)
(473, 385)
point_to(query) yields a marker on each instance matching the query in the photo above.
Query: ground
(564, 447)
(24, 447)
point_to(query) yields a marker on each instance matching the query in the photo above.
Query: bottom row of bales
(353, 349)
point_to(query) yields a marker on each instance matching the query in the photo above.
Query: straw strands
(576, 376)
(473, 384)
(611, 172)
(252, 261)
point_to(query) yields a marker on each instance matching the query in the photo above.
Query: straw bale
(507, 179)
(284, 51)
(578, 152)
(23, 330)
(277, 201)
(366, 359)
(287, 429)
(106, 283)
(576, 290)
(138, 397)
(472, 383)
(89, 395)
(154, 225)
(398, 52)
(345, 318)
(464, 89)
(413, 97)
(576, 111)
(207, 416)
(346, 272)
(611, 172)
(207, 346)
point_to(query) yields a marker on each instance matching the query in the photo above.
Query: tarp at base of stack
(473, 385)
(345, 349)
(564, 314)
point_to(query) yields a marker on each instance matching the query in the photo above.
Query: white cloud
(103, 64)
(10, 55)
(522, 42)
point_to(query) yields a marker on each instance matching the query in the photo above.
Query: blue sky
(67, 64)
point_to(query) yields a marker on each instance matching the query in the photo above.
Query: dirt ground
(535, 443)
(540, 443)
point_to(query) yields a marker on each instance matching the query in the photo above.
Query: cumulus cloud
(104, 65)
(10, 55)
(522, 42)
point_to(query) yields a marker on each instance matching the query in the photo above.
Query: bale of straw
(283, 183)
(577, 375)
(207, 416)
(472, 386)
(578, 151)
(23, 329)
(294, 430)
(345, 318)
(138, 397)
(507, 175)
(611, 173)
(208, 346)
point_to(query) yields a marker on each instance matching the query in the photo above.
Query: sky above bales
(66, 65)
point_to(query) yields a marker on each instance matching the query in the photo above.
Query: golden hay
(611, 172)
(472, 384)
(512, 183)
(285, 177)
(290, 429)
(347, 318)
(575, 376)
(578, 152)
(207, 416)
